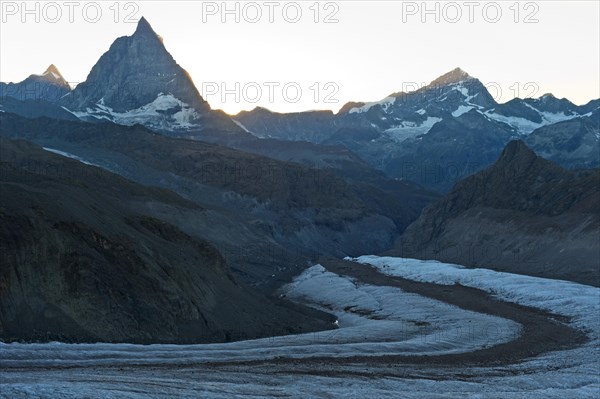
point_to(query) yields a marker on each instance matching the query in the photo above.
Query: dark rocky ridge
(268, 217)
(524, 214)
(85, 259)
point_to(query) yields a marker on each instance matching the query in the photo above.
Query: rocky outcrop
(524, 214)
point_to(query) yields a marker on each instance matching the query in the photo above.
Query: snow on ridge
(526, 126)
(69, 155)
(462, 109)
(409, 129)
(150, 114)
(241, 125)
(385, 104)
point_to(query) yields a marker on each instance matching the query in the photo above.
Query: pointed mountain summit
(138, 81)
(53, 70)
(50, 86)
(551, 104)
(143, 27)
(512, 181)
(145, 30)
(133, 73)
(461, 91)
(518, 161)
(53, 75)
(456, 75)
(516, 152)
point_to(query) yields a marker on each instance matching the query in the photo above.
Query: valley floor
(408, 329)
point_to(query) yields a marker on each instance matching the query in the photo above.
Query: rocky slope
(524, 215)
(267, 217)
(85, 258)
(572, 144)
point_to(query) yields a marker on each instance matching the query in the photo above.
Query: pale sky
(375, 47)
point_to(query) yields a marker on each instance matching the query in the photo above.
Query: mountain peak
(516, 150)
(53, 76)
(454, 76)
(144, 28)
(137, 71)
(518, 158)
(52, 69)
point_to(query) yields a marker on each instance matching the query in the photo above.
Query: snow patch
(525, 126)
(385, 104)
(68, 155)
(241, 125)
(462, 109)
(151, 115)
(409, 129)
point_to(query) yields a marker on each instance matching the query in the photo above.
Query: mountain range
(440, 133)
(433, 136)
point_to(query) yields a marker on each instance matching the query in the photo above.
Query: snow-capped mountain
(137, 81)
(400, 116)
(450, 123)
(526, 115)
(404, 115)
(50, 86)
(438, 134)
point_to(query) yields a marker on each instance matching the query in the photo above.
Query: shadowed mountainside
(86, 259)
(524, 215)
(268, 217)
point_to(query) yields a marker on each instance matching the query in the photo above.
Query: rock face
(84, 259)
(138, 81)
(50, 86)
(524, 214)
(572, 144)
